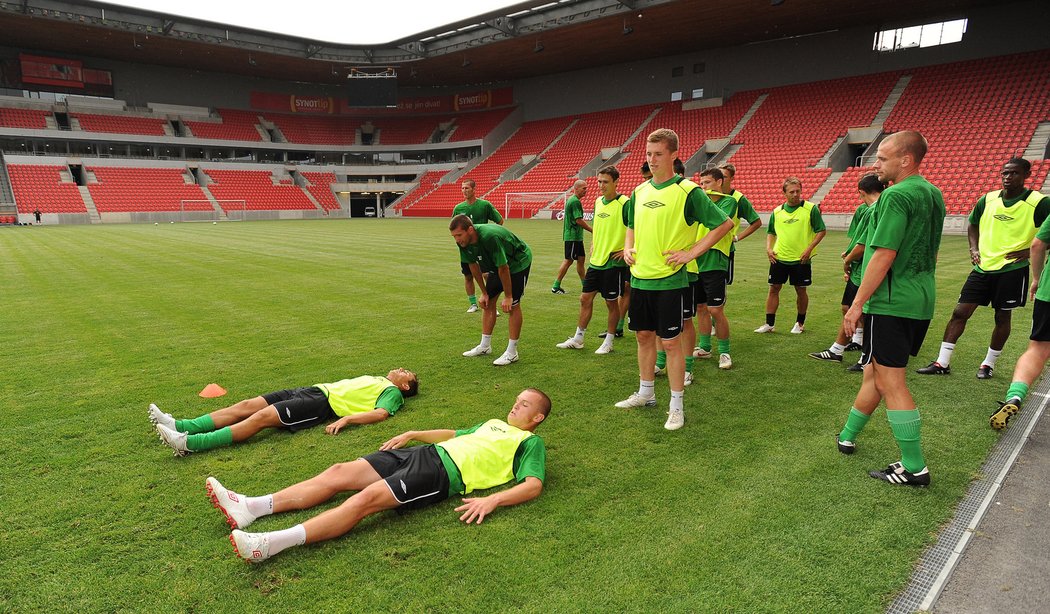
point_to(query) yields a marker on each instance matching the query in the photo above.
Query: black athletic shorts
(573, 250)
(607, 282)
(710, 289)
(688, 302)
(799, 274)
(415, 476)
(657, 310)
(849, 293)
(465, 268)
(732, 268)
(300, 408)
(1040, 321)
(518, 281)
(890, 339)
(1007, 290)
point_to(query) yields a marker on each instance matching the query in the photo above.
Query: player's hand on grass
(476, 508)
(398, 441)
(335, 427)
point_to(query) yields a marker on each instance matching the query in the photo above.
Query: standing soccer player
(573, 226)
(709, 292)
(661, 218)
(745, 211)
(1002, 226)
(895, 301)
(480, 211)
(607, 270)
(869, 188)
(1030, 365)
(493, 249)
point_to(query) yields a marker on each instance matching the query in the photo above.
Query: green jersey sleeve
(891, 229)
(461, 432)
(1042, 211)
(391, 400)
(628, 212)
(815, 221)
(700, 209)
(530, 459)
(978, 210)
(746, 210)
(770, 226)
(494, 215)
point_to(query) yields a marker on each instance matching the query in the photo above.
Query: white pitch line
(953, 560)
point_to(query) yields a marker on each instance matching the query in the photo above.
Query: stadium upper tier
(975, 114)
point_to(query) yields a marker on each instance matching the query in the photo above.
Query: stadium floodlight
(388, 72)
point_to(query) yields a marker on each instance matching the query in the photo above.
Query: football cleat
(604, 349)
(853, 347)
(897, 474)
(558, 290)
(826, 355)
(934, 368)
(766, 328)
(637, 400)
(846, 447)
(570, 344)
(797, 329)
(156, 416)
(173, 439)
(688, 378)
(252, 547)
(675, 419)
(506, 359)
(699, 352)
(473, 308)
(985, 372)
(724, 361)
(479, 350)
(1001, 417)
(857, 367)
(619, 333)
(232, 505)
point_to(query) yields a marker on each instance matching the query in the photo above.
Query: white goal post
(526, 204)
(234, 210)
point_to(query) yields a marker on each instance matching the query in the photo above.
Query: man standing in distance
(869, 188)
(795, 230)
(1002, 226)
(573, 226)
(493, 249)
(895, 301)
(480, 211)
(744, 211)
(607, 270)
(710, 290)
(661, 218)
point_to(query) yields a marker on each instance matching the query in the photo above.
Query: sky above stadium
(347, 22)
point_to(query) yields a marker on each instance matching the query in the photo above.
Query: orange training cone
(212, 390)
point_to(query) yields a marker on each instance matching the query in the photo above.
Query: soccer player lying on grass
(361, 400)
(452, 462)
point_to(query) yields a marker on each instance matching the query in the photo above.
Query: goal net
(204, 210)
(527, 204)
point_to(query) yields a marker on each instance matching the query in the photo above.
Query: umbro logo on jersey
(603, 215)
(791, 221)
(1002, 217)
(653, 204)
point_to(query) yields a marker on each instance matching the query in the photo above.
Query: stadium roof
(523, 40)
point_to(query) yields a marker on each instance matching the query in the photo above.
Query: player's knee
(265, 417)
(775, 288)
(1002, 317)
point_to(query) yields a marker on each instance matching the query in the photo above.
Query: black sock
(801, 318)
(771, 319)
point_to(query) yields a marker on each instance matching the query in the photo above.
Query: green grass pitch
(748, 508)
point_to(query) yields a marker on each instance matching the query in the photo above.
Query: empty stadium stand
(123, 189)
(234, 125)
(43, 187)
(257, 189)
(23, 118)
(321, 189)
(121, 124)
(427, 183)
(316, 130)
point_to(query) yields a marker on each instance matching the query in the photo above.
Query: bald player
(573, 226)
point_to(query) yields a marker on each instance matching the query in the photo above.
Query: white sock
(837, 348)
(579, 333)
(945, 356)
(512, 346)
(486, 341)
(993, 355)
(858, 336)
(259, 506)
(647, 389)
(678, 399)
(284, 539)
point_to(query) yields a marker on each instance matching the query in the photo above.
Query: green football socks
(723, 346)
(661, 359)
(203, 424)
(557, 284)
(1017, 390)
(905, 426)
(705, 342)
(473, 298)
(689, 363)
(207, 441)
(855, 423)
(619, 325)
